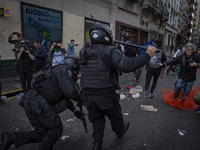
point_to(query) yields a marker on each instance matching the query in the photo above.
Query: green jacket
(16, 42)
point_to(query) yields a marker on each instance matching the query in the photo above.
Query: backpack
(153, 62)
(42, 83)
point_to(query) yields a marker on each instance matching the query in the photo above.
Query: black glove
(79, 115)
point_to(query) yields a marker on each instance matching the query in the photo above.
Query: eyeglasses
(189, 50)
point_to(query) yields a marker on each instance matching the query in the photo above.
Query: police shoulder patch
(70, 73)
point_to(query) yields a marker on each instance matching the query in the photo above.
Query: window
(41, 23)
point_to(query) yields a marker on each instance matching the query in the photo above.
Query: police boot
(97, 146)
(6, 141)
(126, 126)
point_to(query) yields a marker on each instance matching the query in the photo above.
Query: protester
(100, 63)
(154, 70)
(26, 56)
(17, 48)
(40, 55)
(50, 95)
(138, 72)
(56, 54)
(189, 62)
(70, 49)
(171, 48)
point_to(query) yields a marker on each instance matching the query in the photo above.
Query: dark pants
(46, 122)
(155, 73)
(97, 118)
(25, 79)
(137, 73)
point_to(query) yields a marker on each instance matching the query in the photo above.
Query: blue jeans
(179, 85)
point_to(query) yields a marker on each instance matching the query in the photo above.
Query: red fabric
(129, 87)
(76, 45)
(187, 104)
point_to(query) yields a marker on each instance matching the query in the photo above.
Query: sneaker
(197, 111)
(146, 93)
(150, 95)
(2, 102)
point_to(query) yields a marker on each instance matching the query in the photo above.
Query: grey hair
(188, 45)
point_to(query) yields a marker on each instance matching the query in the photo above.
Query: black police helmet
(24, 41)
(101, 33)
(73, 62)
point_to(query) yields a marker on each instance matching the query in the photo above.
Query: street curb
(14, 92)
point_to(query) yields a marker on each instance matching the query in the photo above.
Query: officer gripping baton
(134, 45)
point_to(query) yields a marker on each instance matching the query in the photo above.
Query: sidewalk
(10, 85)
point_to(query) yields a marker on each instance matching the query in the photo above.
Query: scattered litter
(64, 137)
(70, 120)
(137, 95)
(129, 87)
(122, 96)
(181, 132)
(149, 108)
(4, 97)
(126, 114)
(134, 90)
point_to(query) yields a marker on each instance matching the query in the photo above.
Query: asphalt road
(148, 130)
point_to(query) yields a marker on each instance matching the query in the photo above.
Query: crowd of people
(54, 85)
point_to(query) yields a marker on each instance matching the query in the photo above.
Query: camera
(25, 48)
(15, 32)
(14, 49)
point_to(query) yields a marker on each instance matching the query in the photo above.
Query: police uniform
(99, 65)
(43, 103)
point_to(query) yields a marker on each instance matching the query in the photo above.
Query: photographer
(26, 55)
(56, 54)
(17, 47)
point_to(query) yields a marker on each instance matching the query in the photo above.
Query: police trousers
(46, 122)
(97, 117)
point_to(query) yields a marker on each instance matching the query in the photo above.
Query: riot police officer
(99, 65)
(51, 94)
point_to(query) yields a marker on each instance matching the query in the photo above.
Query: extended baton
(134, 45)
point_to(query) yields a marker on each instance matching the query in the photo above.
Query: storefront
(125, 32)
(41, 23)
(143, 37)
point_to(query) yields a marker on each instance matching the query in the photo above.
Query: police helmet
(73, 62)
(101, 33)
(24, 41)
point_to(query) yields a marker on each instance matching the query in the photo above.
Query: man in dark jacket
(40, 55)
(100, 63)
(51, 95)
(189, 62)
(26, 56)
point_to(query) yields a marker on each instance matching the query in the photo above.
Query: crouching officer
(53, 89)
(99, 65)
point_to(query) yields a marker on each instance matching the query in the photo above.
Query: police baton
(134, 45)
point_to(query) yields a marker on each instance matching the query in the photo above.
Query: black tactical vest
(97, 74)
(48, 86)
